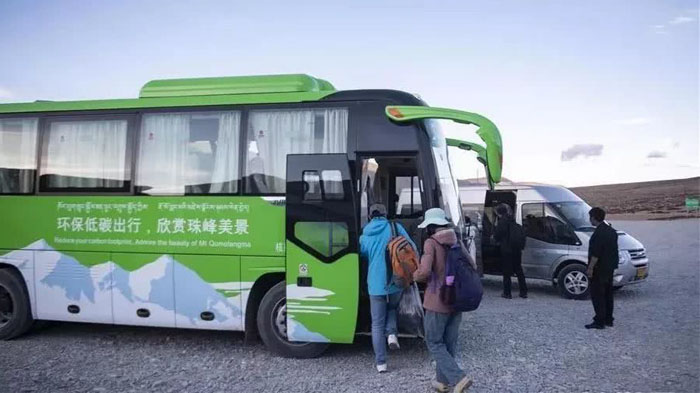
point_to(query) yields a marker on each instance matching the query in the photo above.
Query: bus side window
(273, 134)
(83, 155)
(189, 153)
(17, 155)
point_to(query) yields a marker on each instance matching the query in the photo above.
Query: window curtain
(86, 154)
(335, 131)
(17, 155)
(225, 173)
(163, 153)
(169, 160)
(279, 133)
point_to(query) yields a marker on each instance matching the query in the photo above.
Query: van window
(85, 155)
(541, 222)
(17, 155)
(273, 134)
(409, 203)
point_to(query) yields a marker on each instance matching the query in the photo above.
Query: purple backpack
(462, 289)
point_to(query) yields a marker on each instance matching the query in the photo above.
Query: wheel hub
(576, 282)
(281, 319)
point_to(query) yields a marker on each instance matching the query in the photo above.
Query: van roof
(526, 192)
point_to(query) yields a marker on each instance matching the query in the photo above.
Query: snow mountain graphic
(160, 282)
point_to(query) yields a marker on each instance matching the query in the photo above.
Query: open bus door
(322, 249)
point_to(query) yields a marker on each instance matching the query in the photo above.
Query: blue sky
(584, 92)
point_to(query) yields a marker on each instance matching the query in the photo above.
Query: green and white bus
(230, 203)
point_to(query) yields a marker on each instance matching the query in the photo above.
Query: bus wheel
(15, 314)
(272, 325)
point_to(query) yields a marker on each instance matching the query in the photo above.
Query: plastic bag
(410, 312)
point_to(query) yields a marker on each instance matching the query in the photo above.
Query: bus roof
(259, 89)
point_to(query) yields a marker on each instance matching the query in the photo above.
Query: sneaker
(439, 386)
(523, 295)
(393, 342)
(595, 325)
(463, 385)
(381, 368)
(505, 296)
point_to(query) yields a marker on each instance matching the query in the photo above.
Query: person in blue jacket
(384, 298)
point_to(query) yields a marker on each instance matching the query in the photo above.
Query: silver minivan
(556, 223)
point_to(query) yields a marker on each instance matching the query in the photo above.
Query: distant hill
(662, 199)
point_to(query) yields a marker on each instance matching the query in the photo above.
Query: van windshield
(576, 213)
(448, 184)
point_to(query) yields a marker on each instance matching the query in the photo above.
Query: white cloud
(659, 29)
(585, 150)
(635, 121)
(679, 20)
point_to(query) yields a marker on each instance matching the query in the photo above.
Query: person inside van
(511, 254)
(441, 323)
(384, 296)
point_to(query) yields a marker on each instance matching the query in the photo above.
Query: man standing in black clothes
(603, 259)
(511, 253)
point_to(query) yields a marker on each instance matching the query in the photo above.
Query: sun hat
(377, 210)
(434, 216)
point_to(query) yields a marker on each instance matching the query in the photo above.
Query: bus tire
(272, 306)
(15, 312)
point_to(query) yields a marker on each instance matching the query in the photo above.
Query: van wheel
(272, 325)
(15, 313)
(573, 282)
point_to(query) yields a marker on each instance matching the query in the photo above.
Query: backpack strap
(388, 256)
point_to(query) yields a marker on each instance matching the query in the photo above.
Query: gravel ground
(533, 345)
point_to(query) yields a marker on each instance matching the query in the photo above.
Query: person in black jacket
(511, 255)
(603, 259)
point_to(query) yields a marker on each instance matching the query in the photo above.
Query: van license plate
(641, 273)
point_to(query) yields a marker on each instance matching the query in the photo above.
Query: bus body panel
(152, 256)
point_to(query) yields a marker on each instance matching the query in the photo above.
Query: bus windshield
(448, 184)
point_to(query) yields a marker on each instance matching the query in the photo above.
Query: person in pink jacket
(441, 322)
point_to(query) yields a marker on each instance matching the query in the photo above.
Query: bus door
(490, 252)
(322, 249)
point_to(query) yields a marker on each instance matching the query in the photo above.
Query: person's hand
(589, 272)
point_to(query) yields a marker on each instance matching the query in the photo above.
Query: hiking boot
(439, 386)
(381, 368)
(393, 342)
(463, 385)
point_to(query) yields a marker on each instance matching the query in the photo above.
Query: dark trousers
(602, 297)
(512, 263)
